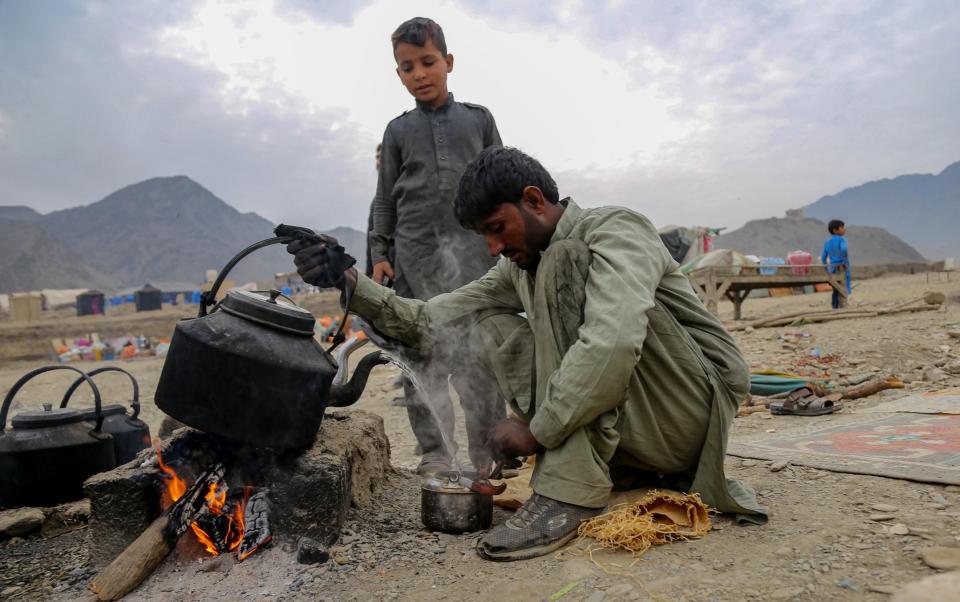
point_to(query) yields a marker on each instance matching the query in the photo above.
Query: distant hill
(775, 237)
(30, 259)
(19, 213)
(921, 209)
(162, 229)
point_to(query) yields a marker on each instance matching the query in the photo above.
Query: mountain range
(173, 229)
(923, 209)
(162, 229)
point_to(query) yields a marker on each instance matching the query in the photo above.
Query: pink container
(800, 260)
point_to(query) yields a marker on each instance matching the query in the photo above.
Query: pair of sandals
(805, 402)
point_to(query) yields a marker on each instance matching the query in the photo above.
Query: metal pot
(449, 506)
(46, 456)
(130, 434)
(252, 370)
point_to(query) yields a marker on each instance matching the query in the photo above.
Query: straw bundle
(658, 518)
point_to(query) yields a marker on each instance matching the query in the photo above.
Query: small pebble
(779, 465)
(881, 517)
(884, 508)
(900, 529)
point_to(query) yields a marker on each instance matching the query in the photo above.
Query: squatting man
(616, 373)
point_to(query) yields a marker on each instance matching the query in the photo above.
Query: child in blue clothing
(835, 255)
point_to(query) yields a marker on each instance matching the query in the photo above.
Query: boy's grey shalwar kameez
(423, 155)
(619, 368)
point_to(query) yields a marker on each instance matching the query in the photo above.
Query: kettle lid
(49, 416)
(266, 310)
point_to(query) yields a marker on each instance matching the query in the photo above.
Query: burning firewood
(145, 554)
(256, 522)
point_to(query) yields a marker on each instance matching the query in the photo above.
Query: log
(829, 316)
(872, 386)
(745, 411)
(147, 551)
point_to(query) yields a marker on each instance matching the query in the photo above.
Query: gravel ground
(820, 543)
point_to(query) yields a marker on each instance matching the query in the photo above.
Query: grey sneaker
(539, 527)
(434, 462)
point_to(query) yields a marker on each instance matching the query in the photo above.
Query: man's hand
(381, 270)
(322, 262)
(512, 437)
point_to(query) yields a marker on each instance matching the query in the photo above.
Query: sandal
(804, 402)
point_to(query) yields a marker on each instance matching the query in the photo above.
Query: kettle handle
(23, 380)
(135, 404)
(209, 297)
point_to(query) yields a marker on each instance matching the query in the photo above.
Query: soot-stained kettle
(130, 434)
(251, 369)
(47, 455)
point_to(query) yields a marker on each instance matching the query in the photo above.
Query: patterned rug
(914, 447)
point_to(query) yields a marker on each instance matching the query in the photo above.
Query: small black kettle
(130, 434)
(252, 370)
(47, 455)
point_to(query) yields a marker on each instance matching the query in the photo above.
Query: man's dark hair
(417, 31)
(498, 175)
(834, 225)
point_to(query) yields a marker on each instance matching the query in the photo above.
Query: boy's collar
(423, 106)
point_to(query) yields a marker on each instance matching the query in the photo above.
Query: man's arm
(628, 262)
(384, 209)
(824, 254)
(414, 322)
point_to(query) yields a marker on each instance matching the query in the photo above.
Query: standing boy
(835, 256)
(424, 152)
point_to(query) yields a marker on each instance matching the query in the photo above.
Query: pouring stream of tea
(428, 402)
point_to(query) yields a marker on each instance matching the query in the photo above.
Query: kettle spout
(342, 395)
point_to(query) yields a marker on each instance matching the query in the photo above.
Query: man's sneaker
(539, 527)
(433, 463)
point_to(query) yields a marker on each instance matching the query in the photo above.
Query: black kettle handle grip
(209, 298)
(23, 380)
(135, 404)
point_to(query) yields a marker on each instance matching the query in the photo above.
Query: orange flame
(216, 499)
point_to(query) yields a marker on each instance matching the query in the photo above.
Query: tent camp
(148, 298)
(91, 303)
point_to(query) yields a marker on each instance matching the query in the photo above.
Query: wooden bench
(714, 283)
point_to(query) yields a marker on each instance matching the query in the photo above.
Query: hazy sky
(706, 113)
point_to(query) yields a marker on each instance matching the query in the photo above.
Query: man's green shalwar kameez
(618, 367)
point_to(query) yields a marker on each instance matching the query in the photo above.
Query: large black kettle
(251, 369)
(47, 455)
(130, 434)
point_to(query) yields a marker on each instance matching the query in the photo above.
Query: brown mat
(913, 447)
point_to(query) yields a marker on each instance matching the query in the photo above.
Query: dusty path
(818, 545)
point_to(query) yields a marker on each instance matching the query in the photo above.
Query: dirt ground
(818, 545)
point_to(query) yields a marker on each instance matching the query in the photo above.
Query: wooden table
(714, 283)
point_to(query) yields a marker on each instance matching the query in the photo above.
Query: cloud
(692, 112)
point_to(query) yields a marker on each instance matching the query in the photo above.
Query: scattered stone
(938, 498)
(884, 508)
(882, 589)
(596, 596)
(952, 368)
(9, 591)
(847, 583)
(779, 465)
(20, 521)
(933, 375)
(955, 334)
(309, 551)
(881, 517)
(341, 560)
(931, 589)
(750, 329)
(899, 529)
(941, 558)
(747, 463)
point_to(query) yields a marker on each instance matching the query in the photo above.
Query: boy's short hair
(499, 175)
(834, 225)
(417, 31)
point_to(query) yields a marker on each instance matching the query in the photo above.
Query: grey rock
(881, 517)
(779, 465)
(885, 508)
(900, 529)
(20, 521)
(941, 558)
(931, 589)
(309, 551)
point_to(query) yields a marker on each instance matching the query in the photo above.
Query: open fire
(220, 524)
